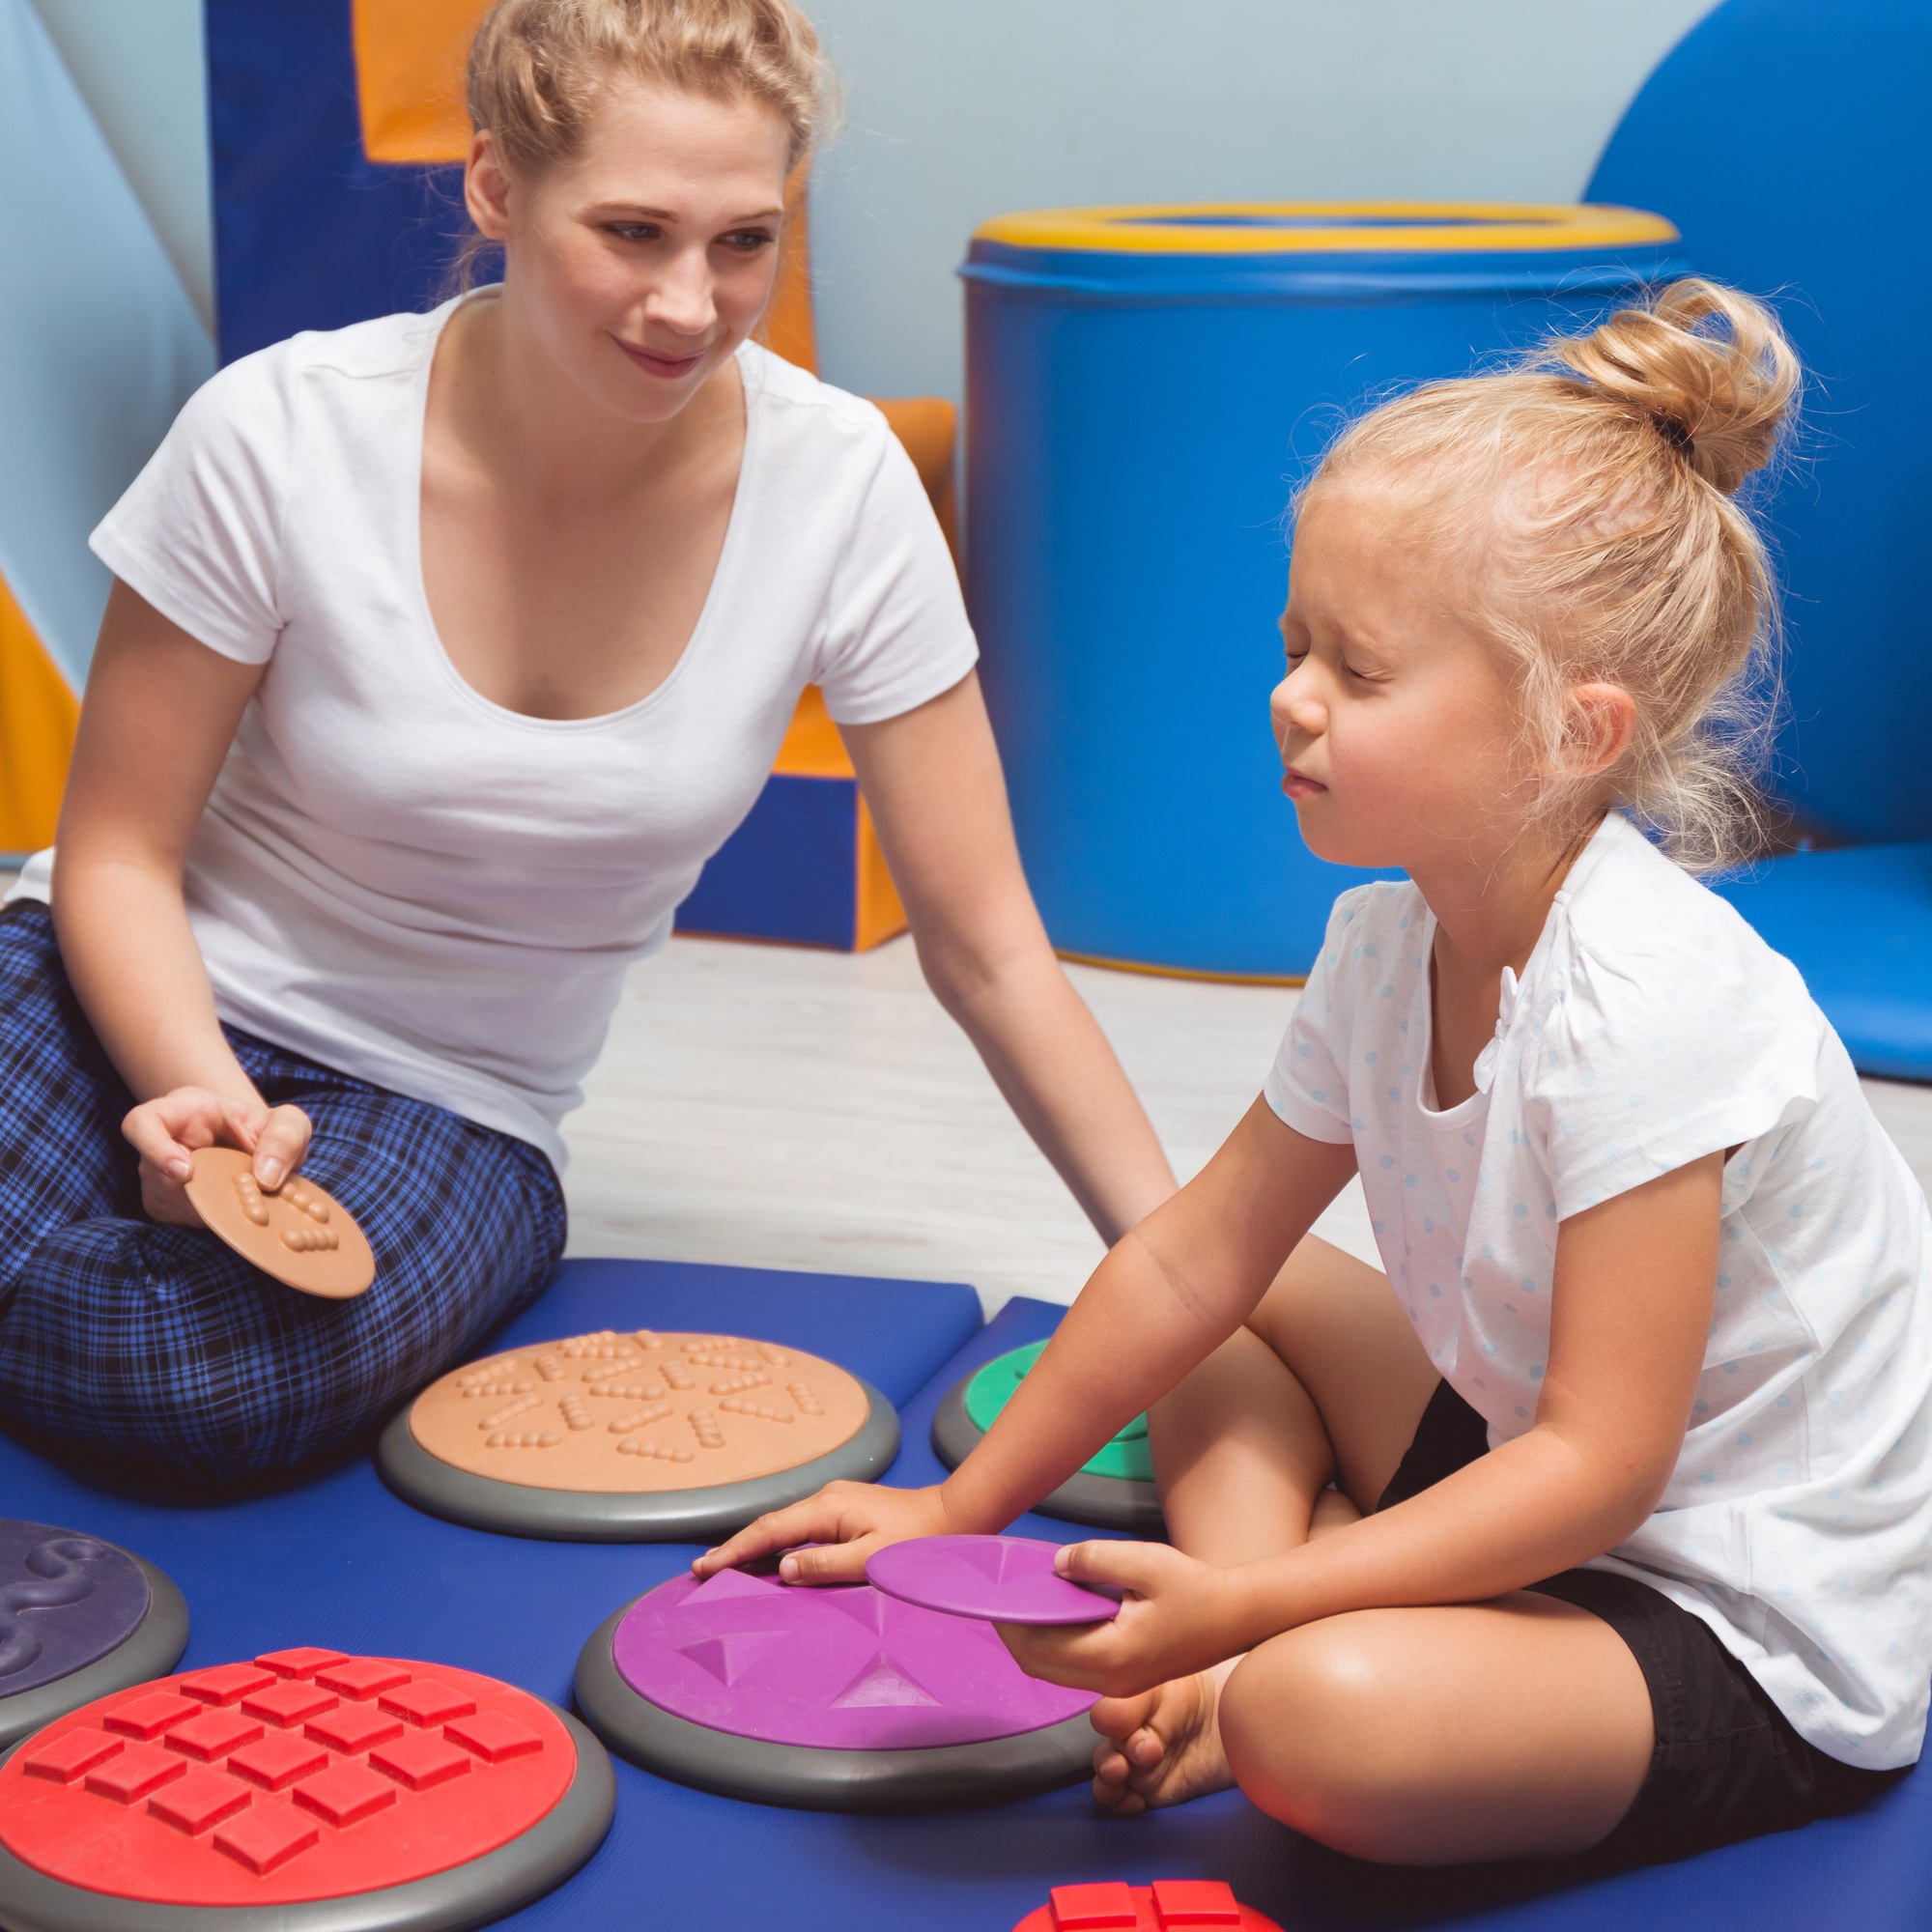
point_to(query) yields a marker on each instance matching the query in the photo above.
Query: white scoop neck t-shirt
(1652, 1026)
(407, 882)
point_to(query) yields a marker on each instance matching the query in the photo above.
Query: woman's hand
(848, 1519)
(1178, 1617)
(166, 1131)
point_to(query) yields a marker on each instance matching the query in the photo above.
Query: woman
(442, 652)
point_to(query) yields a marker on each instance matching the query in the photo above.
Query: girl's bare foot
(1163, 1747)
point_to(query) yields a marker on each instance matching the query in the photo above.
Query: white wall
(139, 65)
(960, 110)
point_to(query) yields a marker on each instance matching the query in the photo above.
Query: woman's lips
(670, 367)
(1297, 785)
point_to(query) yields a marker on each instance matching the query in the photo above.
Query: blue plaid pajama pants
(143, 1345)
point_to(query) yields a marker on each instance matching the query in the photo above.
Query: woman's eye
(633, 231)
(748, 240)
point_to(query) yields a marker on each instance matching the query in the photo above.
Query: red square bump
(1194, 1901)
(351, 1728)
(66, 1758)
(361, 1677)
(494, 1738)
(287, 1704)
(300, 1663)
(226, 1684)
(345, 1794)
(278, 1760)
(150, 1716)
(200, 1800)
(426, 1702)
(266, 1836)
(1094, 1908)
(135, 1771)
(214, 1734)
(419, 1761)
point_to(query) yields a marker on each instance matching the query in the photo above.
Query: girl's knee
(1313, 1725)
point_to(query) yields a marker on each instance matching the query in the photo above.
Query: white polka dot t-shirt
(1652, 1026)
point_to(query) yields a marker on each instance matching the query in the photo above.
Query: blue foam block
(1857, 924)
(342, 1561)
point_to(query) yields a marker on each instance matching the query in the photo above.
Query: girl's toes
(1120, 1718)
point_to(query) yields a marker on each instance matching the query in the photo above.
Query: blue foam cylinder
(1144, 387)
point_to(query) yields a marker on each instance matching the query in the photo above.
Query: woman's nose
(683, 300)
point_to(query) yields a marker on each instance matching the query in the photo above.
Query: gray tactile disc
(947, 1778)
(1107, 1502)
(476, 1893)
(658, 1515)
(152, 1648)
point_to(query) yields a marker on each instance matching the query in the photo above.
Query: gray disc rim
(486, 1888)
(151, 1649)
(1105, 1502)
(666, 1515)
(942, 1777)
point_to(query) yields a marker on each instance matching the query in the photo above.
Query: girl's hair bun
(1708, 368)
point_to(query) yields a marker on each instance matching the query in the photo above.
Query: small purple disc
(1006, 1579)
(840, 1668)
(66, 1601)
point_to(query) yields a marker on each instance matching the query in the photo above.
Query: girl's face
(1400, 739)
(642, 262)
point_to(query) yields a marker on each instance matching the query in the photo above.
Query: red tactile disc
(303, 1775)
(1167, 1905)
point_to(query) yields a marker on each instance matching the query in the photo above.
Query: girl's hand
(166, 1131)
(849, 1519)
(1178, 1617)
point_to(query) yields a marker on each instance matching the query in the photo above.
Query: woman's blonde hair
(1590, 493)
(538, 67)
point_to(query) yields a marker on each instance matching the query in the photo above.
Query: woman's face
(644, 260)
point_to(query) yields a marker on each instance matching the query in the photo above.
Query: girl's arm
(161, 710)
(1631, 1314)
(933, 779)
(1169, 1294)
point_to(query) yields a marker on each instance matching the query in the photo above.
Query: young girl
(1627, 1539)
(445, 651)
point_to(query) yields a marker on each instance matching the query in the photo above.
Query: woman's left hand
(1178, 1617)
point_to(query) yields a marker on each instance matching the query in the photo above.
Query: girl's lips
(1295, 785)
(670, 367)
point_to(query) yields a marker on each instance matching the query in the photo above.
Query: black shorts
(1726, 1765)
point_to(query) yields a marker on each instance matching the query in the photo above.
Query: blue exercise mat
(1857, 924)
(342, 1561)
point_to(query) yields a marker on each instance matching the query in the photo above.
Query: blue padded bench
(342, 1561)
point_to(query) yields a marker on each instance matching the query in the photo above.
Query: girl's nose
(1295, 706)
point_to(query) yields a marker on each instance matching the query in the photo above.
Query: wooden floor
(816, 1110)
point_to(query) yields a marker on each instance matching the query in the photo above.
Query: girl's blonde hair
(538, 67)
(1589, 491)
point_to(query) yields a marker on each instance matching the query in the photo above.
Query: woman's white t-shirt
(1652, 1026)
(404, 881)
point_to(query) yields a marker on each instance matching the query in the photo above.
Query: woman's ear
(1598, 723)
(485, 188)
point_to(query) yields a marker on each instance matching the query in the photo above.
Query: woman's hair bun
(1707, 368)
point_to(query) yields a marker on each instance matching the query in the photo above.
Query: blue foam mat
(343, 1561)
(1857, 924)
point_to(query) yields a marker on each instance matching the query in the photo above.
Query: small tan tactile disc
(299, 1234)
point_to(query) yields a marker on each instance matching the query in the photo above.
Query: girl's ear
(1598, 721)
(485, 188)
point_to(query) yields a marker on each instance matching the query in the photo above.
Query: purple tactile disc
(66, 1601)
(842, 1667)
(1006, 1579)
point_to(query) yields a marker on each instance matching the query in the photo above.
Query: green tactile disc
(1125, 1457)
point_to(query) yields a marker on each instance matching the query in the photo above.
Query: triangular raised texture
(863, 1604)
(730, 1583)
(993, 1558)
(881, 1683)
(727, 1657)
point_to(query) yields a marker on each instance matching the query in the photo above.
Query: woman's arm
(933, 779)
(1169, 1294)
(160, 712)
(1630, 1316)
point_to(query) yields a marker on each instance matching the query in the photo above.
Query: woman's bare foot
(1163, 1747)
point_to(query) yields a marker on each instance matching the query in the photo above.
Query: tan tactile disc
(299, 1234)
(618, 1414)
